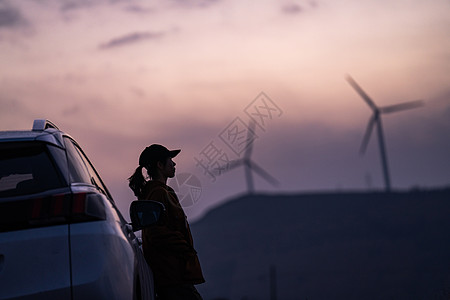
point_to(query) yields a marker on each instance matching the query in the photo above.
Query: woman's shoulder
(154, 188)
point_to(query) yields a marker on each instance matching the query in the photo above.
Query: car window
(95, 179)
(59, 157)
(77, 169)
(89, 175)
(80, 168)
(25, 168)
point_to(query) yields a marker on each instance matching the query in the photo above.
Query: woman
(168, 246)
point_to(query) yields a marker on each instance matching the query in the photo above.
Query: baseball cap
(154, 153)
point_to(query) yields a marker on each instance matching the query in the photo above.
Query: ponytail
(137, 182)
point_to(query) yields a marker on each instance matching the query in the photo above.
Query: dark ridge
(328, 246)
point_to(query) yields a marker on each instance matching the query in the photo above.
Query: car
(61, 233)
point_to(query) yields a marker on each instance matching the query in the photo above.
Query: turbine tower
(375, 120)
(251, 166)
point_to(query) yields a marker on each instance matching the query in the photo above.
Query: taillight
(51, 210)
(87, 207)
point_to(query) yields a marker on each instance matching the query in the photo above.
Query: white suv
(61, 234)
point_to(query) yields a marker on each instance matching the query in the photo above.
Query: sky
(119, 75)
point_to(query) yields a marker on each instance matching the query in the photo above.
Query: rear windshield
(27, 168)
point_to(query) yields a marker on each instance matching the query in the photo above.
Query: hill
(327, 246)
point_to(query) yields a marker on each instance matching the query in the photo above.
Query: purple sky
(120, 75)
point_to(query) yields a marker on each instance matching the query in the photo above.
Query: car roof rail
(42, 124)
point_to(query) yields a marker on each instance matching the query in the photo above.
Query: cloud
(10, 17)
(138, 9)
(131, 38)
(196, 3)
(72, 5)
(295, 8)
(68, 6)
(292, 9)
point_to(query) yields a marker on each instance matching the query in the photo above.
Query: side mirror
(144, 213)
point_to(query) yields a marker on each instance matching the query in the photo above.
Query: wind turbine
(375, 120)
(251, 166)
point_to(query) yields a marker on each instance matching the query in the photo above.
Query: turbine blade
(363, 94)
(402, 106)
(235, 163)
(250, 140)
(249, 177)
(261, 172)
(368, 133)
(230, 166)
